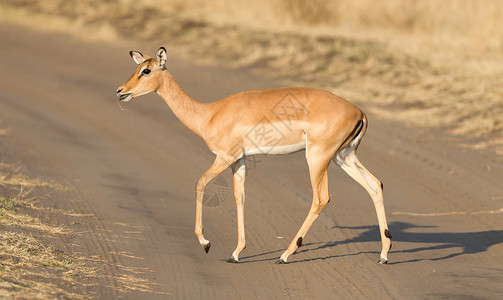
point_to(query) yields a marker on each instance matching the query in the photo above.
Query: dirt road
(135, 171)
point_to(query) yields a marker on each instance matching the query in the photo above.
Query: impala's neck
(190, 112)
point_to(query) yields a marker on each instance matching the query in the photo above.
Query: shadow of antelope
(459, 243)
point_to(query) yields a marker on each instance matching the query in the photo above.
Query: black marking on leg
(207, 247)
(280, 262)
(299, 242)
(390, 245)
(382, 186)
(360, 127)
(232, 260)
(387, 233)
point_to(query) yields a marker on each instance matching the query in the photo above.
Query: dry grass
(448, 29)
(30, 265)
(430, 63)
(29, 268)
(11, 175)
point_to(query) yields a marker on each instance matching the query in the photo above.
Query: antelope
(271, 121)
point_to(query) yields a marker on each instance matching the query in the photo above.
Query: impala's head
(146, 78)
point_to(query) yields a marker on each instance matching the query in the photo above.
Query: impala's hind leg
(358, 172)
(239, 173)
(318, 165)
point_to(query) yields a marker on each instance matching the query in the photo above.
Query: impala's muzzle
(124, 97)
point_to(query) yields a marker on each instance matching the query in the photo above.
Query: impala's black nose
(119, 90)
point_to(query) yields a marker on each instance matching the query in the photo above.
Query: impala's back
(280, 121)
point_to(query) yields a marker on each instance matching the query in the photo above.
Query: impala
(272, 121)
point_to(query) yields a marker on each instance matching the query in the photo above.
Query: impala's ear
(137, 57)
(161, 56)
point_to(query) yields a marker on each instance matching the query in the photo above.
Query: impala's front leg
(218, 167)
(239, 173)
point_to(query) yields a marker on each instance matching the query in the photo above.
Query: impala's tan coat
(273, 121)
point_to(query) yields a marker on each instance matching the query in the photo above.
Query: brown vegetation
(33, 262)
(30, 266)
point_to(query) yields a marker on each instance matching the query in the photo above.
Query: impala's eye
(146, 71)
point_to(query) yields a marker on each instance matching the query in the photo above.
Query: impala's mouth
(125, 97)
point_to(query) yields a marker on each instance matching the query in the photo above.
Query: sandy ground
(135, 171)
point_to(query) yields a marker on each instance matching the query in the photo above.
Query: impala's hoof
(207, 247)
(280, 262)
(232, 260)
(383, 261)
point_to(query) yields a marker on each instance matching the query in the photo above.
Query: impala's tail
(352, 142)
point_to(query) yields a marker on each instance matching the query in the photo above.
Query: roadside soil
(134, 172)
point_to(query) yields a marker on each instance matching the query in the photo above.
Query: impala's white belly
(284, 149)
